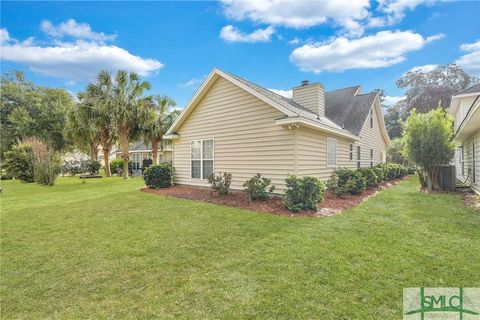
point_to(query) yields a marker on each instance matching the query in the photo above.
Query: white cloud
(73, 29)
(382, 49)
(424, 69)
(4, 36)
(294, 41)
(392, 100)
(193, 83)
(395, 9)
(76, 61)
(298, 14)
(231, 34)
(470, 61)
(285, 93)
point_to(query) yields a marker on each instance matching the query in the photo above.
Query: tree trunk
(94, 150)
(106, 155)
(123, 141)
(106, 147)
(155, 151)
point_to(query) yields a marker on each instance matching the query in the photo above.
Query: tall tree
(129, 107)
(428, 143)
(155, 129)
(393, 119)
(27, 110)
(427, 90)
(99, 98)
(80, 131)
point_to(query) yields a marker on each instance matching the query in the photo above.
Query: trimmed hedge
(346, 181)
(159, 176)
(303, 193)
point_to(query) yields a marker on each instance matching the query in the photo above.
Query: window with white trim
(201, 159)
(371, 118)
(351, 151)
(358, 157)
(331, 152)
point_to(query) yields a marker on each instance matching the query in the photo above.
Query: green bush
(6, 175)
(220, 183)
(115, 165)
(20, 161)
(159, 176)
(92, 166)
(257, 187)
(379, 173)
(47, 169)
(371, 178)
(73, 167)
(303, 193)
(346, 181)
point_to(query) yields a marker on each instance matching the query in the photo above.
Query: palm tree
(129, 108)
(98, 96)
(79, 130)
(153, 131)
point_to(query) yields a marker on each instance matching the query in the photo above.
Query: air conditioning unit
(448, 178)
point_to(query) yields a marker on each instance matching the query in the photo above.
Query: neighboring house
(233, 125)
(465, 107)
(138, 152)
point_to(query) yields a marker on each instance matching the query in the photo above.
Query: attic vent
(305, 83)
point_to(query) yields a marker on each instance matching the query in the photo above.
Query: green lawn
(105, 250)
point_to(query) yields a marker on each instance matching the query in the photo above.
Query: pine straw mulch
(331, 205)
(472, 201)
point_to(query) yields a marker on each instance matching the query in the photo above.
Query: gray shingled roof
(348, 110)
(473, 89)
(137, 146)
(343, 109)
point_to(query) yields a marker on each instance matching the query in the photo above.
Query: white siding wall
(465, 104)
(311, 96)
(247, 140)
(312, 154)
(469, 161)
(371, 138)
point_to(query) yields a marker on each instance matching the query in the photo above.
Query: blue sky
(276, 44)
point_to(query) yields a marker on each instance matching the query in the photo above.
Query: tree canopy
(427, 139)
(28, 110)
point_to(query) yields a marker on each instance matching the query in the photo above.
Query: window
(462, 159)
(371, 158)
(351, 151)
(331, 152)
(358, 156)
(371, 118)
(474, 172)
(201, 159)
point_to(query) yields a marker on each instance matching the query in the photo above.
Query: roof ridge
(466, 89)
(356, 86)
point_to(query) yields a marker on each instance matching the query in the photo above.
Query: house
(465, 108)
(139, 151)
(234, 125)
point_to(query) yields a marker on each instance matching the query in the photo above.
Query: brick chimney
(311, 96)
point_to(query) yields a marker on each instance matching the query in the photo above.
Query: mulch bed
(331, 205)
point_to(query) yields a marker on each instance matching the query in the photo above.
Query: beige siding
(371, 138)
(165, 156)
(312, 153)
(246, 138)
(469, 161)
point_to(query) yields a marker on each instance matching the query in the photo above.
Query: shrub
(379, 173)
(303, 193)
(371, 178)
(6, 175)
(73, 167)
(159, 176)
(47, 168)
(92, 166)
(220, 183)
(20, 161)
(115, 165)
(346, 181)
(257, 188)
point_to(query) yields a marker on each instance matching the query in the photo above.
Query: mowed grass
(106, 250)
